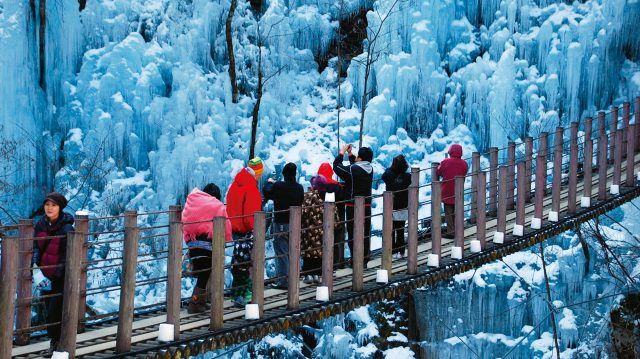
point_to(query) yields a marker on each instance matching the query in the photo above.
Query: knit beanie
(56, 198)
(256, 165)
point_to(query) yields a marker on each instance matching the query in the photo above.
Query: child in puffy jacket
(49, 253)
(201, 208)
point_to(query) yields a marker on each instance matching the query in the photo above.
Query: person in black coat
(358, 181)
(398, 180)
(284, 194)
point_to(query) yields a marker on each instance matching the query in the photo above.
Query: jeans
(201, 261)
(54, 309)
(281, 249)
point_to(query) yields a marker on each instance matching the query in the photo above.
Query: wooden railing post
(588, 163)
(528, 160)
(357, 257)
(502, 200)
(540, 185)
(626, 113)
(128, 282)
(602, 166)
(602, 132)
(9, 278)
(544, 150)
(217, 274)
(493, 181)
(328, 225)
(459, 211)
(573, 168)
(25, 254)
(475, 168)
(521, 197)
(631, 155)
(511, 175)
(613, 127)
(71, 294)
(257, 256)
(636, 115)
(436, 218)
(481, 202)
(617, 158)
(174, 269)
(434, 171)
(412, 238)
(387, 230)
(295, 235)
(556, 185)
(82, 226)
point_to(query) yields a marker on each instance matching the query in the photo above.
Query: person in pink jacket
(198, 214)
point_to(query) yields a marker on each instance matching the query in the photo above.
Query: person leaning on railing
(448, 170)
(201, 206)
(49, 253)
(397, 180)
(358, 181)
(243, 200)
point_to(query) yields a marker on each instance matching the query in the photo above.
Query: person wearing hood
(243, 200)
(358, 181)
(49, 253)
(200, 208)
(398, 180)
(448, 170)
(284, 194)
(332, 186)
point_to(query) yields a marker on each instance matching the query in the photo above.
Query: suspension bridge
(529, 192)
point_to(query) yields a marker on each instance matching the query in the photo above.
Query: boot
(198, 302)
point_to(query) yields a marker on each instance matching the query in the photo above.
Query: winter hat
(326, 171)
(256, 165)
(56, 198)
(365, 154)
(212, 190)
(455, 151)
(319, 183)
(289, 170)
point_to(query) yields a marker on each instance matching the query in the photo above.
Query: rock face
(625, 327)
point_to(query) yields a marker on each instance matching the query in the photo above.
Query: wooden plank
(25, 254)
(357, 257)
(481, 203)
(502, 198)
(412, 238)
(556, 184)
(387, 230)
(128, 282)
(9, 273)
(73, 263)
(257, 256)
(82, 226)
(295, 234)
(174, 269)
(459, 210)
(511, 175)
(216, 321)
(528, 158)
(328, 225)
(573, 167)
(493, 181)
(630, 182)
(436, 218)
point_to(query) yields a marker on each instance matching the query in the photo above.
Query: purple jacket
(52, 251)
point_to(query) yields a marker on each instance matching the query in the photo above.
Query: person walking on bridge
(448, 170)
(397, 180)
(49, 253)
(243, 200)
(200, 208)
(358, 181)
(284, 194)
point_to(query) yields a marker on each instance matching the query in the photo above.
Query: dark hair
(365, 154)
(399, 164)
(289, 170)
(212, 190)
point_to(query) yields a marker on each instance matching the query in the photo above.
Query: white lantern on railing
(252, 311)
(60, 355)
(165, 332)
(498, 237)
(553, 216)
(322, 293)
(382, 276)
(456, 252)
(475, 246)
(329, 197)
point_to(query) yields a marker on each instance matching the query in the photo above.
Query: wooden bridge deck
(99, 341)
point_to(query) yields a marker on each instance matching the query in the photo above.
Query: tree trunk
(363, 106)
(232, 58)
(41, 43)
(82, 4)
(256, 107)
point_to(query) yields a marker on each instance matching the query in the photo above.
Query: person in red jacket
(243, 200)
(448, 170)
